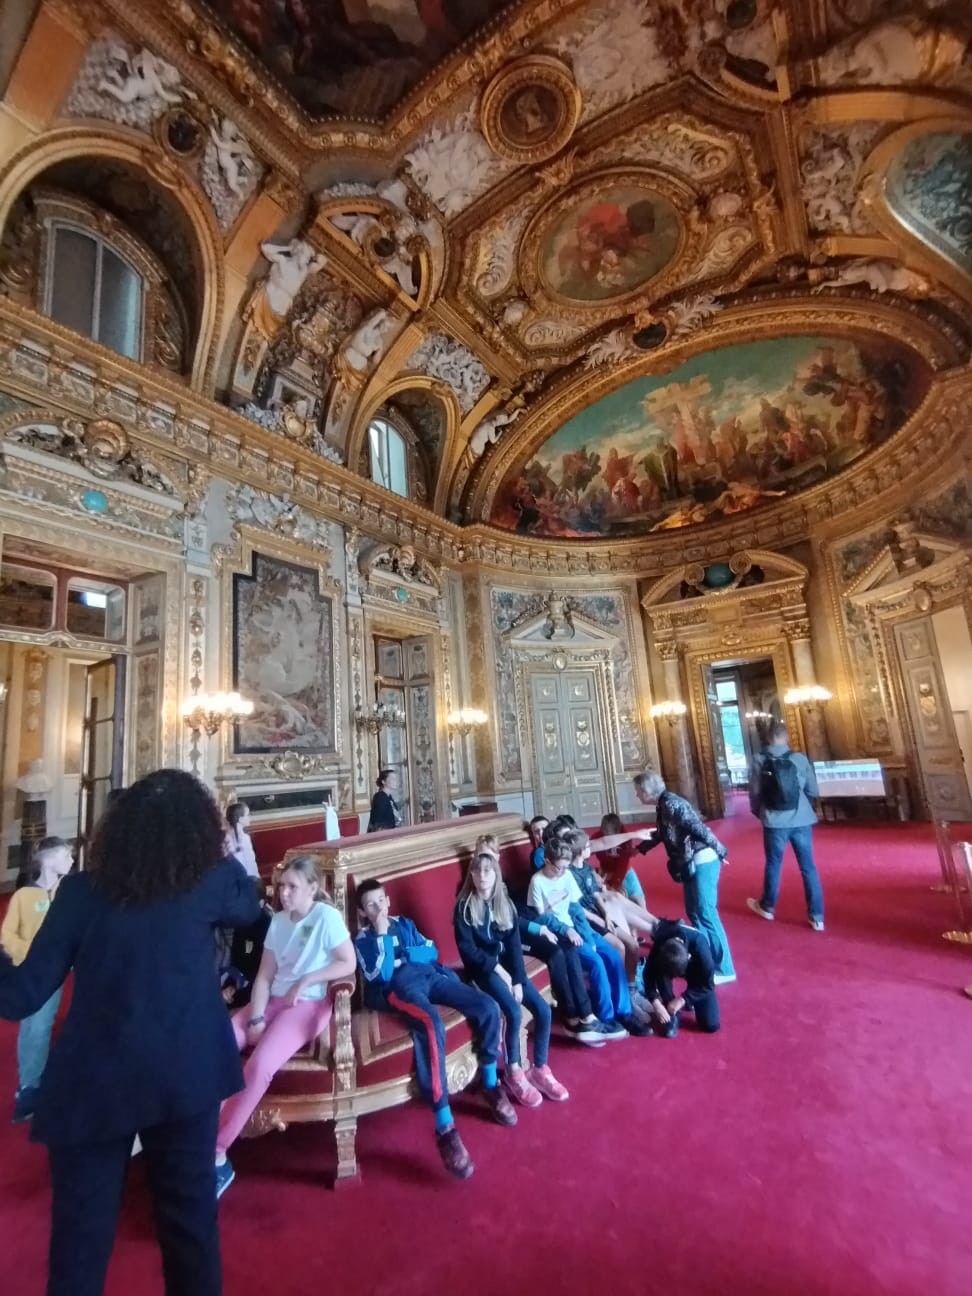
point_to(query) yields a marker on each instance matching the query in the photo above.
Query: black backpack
(779, 785)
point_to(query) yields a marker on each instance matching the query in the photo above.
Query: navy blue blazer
(147, 1037)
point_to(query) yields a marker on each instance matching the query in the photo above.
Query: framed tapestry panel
(283, 658)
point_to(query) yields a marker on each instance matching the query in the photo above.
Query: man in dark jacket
(680, 952)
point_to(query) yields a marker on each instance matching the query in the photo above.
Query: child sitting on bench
(401, 974)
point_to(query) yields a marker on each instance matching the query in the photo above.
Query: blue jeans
(607, 977)
(801, 839)
(34, 1042)
(702, 911)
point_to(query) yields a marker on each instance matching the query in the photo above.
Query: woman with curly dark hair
(147, 1047)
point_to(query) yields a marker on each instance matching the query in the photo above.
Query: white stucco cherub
(144, 75)
(233, 155)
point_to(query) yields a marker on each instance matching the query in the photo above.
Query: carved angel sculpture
(490, 430)
(368, 343)
(879, 276)
(290, 265)
(140, 76)
(234, 156)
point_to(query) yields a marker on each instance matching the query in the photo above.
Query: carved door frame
(689, 635)
(913, 596)
(597, 663)
(697, 661)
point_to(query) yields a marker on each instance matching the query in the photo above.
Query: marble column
(673, 737)
(812, 715)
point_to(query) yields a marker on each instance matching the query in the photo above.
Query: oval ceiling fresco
(723, 433)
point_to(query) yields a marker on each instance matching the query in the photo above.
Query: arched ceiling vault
(664, 261)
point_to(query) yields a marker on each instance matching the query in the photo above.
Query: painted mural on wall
(282, 658)
(929, 187)
(353, 57)
(610, 245)
(723, 433)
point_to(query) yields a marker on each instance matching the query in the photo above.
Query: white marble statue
(898, 51)
(144, 75)
(234, 156)
(290, 265)
(879, 276)
(366, 345)
(491, 429)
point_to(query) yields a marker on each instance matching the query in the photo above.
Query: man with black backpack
(780, 787)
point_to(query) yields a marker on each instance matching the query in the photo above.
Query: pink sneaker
(542, 1078)
(520, 1088)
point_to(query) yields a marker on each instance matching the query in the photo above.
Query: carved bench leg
(345, 1131)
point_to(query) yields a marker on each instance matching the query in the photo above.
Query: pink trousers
(288, 1029)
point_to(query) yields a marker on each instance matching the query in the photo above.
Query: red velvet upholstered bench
(364, 1061)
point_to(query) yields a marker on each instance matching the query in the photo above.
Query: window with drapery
(389, 456)
(94, 290)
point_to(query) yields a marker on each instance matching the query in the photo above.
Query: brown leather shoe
(454, 1156)
(500, 1106)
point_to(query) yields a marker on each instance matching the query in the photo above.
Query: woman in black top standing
(147, 1047)
(384, 808)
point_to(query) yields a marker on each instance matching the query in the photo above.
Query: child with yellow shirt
(28, 909)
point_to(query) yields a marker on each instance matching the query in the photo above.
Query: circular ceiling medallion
(530, 109)
(604, 240)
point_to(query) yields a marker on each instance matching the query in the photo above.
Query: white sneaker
(758, 909)
(817, 924)
(723, 978)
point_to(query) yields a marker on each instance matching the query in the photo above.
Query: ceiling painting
(929, 188)
(723, 433)
(353, 58)
(609, 245)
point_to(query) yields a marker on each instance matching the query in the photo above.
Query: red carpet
(821, 1145)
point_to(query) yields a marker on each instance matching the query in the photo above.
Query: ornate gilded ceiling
(723, 248)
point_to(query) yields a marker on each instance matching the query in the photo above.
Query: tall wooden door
(569, 757)
(101, 743)
(723, 779)
(938, 755)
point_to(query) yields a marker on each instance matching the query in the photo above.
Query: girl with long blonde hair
(488, 940)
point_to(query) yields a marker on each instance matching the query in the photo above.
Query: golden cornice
(160, 413)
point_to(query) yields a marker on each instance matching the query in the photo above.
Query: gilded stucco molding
(44, 363)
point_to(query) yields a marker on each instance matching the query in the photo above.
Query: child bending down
(402, 975)
(28, 909)
(488, 939)
(556, 897)
(307, 946)
(680, 952)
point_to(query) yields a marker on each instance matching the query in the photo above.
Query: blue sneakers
(225, 1174)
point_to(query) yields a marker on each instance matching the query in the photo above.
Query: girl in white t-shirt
(307, 947)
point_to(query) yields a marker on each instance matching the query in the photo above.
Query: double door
(570, 759)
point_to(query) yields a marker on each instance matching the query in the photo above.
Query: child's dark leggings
(534, 1003)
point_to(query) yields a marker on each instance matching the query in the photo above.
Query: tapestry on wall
(283, 658)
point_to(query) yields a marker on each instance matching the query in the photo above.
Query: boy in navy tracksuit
(401, 974)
